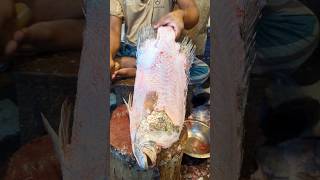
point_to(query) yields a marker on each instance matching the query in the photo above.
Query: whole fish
(158, 106)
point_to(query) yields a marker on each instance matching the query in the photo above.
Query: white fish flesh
(158, 106)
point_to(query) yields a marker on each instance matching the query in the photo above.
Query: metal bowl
(198, 143)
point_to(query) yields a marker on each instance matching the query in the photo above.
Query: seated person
(51, 25)
(287, 35)
(59, 26)
(137, 14)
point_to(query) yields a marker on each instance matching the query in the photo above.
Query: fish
(158, 105)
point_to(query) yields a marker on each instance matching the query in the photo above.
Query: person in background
(136, 14)
(54, 26)
(287, 35)
(40, 25)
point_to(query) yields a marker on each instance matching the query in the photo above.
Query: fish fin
(145, 151)
(141, 158)
(129, 103)
(151, 153)
(54, 137)
(65, 123)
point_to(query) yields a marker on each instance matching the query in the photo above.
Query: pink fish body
(157, 109)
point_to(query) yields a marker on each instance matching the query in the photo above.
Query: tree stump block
(122, 161)
(35, 160)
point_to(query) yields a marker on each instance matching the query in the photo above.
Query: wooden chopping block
(122, 161)
(35, 160)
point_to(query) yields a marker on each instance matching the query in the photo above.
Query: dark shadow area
(276, 131)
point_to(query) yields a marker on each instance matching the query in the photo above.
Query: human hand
(173, 19)
(124, 73)
(112, 66)
(124, 67)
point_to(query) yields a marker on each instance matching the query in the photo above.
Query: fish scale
(157, 108)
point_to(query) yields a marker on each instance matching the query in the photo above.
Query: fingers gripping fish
(157, 108)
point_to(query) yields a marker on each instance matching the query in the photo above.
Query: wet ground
(193, 168)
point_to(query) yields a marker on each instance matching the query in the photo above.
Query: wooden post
(88, 149)
(233, 55)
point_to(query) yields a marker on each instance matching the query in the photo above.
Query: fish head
(146, 153)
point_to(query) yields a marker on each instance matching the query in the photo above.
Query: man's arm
(190, 13)
(115, 38)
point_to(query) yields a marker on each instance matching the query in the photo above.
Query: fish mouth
(146, 154)
(155, 131)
